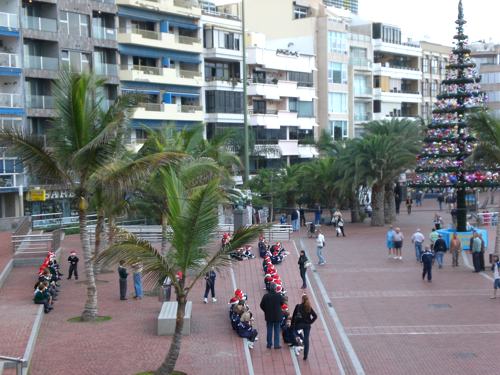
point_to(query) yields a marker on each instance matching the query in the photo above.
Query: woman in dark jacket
(302, 267)
(303, 317)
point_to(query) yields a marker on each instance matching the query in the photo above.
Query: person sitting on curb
(42, 297)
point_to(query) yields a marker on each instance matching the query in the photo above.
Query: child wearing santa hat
(73, 265)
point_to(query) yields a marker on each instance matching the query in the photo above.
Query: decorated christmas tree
(449, 141)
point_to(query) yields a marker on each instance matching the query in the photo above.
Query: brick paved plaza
(376, 316)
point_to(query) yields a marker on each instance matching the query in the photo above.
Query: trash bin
(166, 290)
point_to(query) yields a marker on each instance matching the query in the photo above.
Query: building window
(78, 61)
(221, 71)
(302, 79)
(300, 12)
(361, 85)
(223, 101)
(293, 105)
(306, 109)
(444, 62)
(434, 86)
(337, 102)
(259, 106)
(425, 88)
(425, 64)
(434, 65)
(337, 42)
(75, 24)
(361, 112)
(338, 129)
(337, 72)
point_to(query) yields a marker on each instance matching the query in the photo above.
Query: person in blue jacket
(427, 259)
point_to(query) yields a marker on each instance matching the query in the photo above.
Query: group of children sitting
(242, 318)
(241, 253)
(47, 286)
(275, 252)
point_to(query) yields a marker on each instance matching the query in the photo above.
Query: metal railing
(186, 3)
(11, 100)
(153, 70)
(9, 59)
(100, 32)
(191, 108)
(40, 23)
(183, 39)
(154, 107)
(41, 62)
(148, 34)
(360, 61)
(208, 9)
(19, 363)
(189, 73)
(9, 20)
(40, 101)
(10, 123)
(105, 69)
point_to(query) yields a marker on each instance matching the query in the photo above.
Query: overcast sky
(434, 20)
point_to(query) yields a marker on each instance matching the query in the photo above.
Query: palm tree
(82, 145)
(487, 130)
(192, 215)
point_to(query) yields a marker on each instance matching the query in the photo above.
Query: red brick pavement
(5, 249)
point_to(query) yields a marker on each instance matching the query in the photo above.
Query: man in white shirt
(320, 243)
(418, 239)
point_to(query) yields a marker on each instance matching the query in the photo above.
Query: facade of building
(434, 61)
(281, 101)
(350, 5)
(397, 74)
(487, 58)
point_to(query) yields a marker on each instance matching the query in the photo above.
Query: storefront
(50, 201)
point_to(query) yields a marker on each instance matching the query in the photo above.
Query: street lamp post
(246, 158)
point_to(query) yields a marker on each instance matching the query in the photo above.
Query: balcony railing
(188, 39)
(186, 3)
(105, 1)
(10, 123)
(41, 62)
(10, 60)
(394, 66)
(362, 116)
(360, 61)
(153, 70)
(9, 20)
(155, 107)
(191, 108)
(262, 111)
(210, 12)
(8, 100)
(106, 33)
(41, 24)
(363, 92)
(148, 34)
(40, 101)
(189, 73)
(105, 69)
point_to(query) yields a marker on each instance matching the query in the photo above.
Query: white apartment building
(281, 101)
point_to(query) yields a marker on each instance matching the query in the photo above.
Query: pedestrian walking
(455, 250)
(398, 243)
(483, 250)
(303, 317)
(304, 264)
(496, 275)
(427, 260)
(439, 249)
(417, 239)
(433, 236)
(476, 252)
(302, 213)
(317, 215)
(271, 305)
(210, 277)
(294, 216)
(418, 198)
(73, 265)
(320, 244)
(122, 274)
(409, 203)
(440, 199)
(137, 275)
(397, 197)
(389, 238)
(340, 227)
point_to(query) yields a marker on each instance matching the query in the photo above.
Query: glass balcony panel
(41, 62)
(106, 33)
(8, 100)
(39, 23)
(10, 60)
(9, 20)
(40, 101)
(105, 69)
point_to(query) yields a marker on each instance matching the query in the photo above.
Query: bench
(168, 316)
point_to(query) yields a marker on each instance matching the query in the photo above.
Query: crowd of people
(47, 286)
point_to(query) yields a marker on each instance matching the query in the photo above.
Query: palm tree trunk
(168, 365)
(377, 205)
(99, 231)
(354, 208)
(112, 228)
(164, 234)
(90, 310)
(389, 205)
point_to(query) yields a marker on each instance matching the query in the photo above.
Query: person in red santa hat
(73, 265)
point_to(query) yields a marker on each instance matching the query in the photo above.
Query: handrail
(20, 363)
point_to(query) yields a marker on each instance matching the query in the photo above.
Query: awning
(146, 15)
(5, 31)
(307, 152)
(185, 95)
(156, 53)
(141, 91)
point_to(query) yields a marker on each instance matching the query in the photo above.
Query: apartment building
(350, 5)
(434, 61)
(222, 68)
(397, 74)
(159, 43)
(281, 102)
(487, 59)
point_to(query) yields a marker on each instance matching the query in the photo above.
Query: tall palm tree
(192, 215)
(82, 144)
(487, 130)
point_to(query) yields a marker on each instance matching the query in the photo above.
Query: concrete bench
(168, 316)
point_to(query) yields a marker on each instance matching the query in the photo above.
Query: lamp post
(246, 157)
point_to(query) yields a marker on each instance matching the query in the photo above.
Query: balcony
(156, 39)
(208, 10)
(41, 62)
(360, 62)
(105, 33)
(181, 7)
(153, 74)
(8, 100)
(215, 83)
(40, 101)
(40, 24)
(9, 20)
(273, 89)
(360, 117)
(9, 60)
(397, 71)
(396, 96)
(10, 123)
(168, 112)
(104, 69)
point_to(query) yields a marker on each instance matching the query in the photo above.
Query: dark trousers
(307, 330)
(302, 221)
(303, 276)
(73, 269)
(341, 230)
(273, 327)
(46, 305)
(123, 288)
(476, 260)
(481, 260)
(427, 271)
(209, 286)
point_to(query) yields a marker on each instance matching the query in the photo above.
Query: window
(337, 102)
(338, 129)
(300, 12)
(293, 105)
(425, 88)
(434, 85)
(302, 79)
(306, 109)
(221, 71)
(78, 61)
(223, 101)
(75, 24)
(337, 42)
(434, 65)
(444, 62)
(361, 86)
(259, 106)
(425, 64)
(361, 112)
(228, 40)
(337, 72)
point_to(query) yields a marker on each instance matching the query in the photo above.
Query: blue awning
(11, 111)
(5, 31)
(156, 53)
(141, 91)
(7, 71)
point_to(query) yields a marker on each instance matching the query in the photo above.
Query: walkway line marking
(245, 341)
(336, 320)
(321, 316)
(465, 258)
(294, 361)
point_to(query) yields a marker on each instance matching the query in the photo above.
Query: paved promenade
(376, 316)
